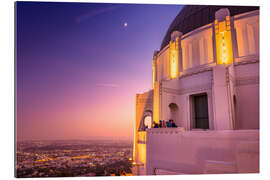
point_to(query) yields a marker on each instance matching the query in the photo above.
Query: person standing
(173, 124)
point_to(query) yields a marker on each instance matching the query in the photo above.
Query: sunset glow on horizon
(80, 65)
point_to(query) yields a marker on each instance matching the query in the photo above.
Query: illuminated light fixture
(223, 41)
(154, 68)
(174, 58)
(154, 72)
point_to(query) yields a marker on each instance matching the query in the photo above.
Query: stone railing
(165, 130)
(200, 151)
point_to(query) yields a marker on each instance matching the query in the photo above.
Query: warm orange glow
(154, 72)
(135, 132)
(174, 58)
(148, 122)
(45, 159)
(142, 153)
(139, 150)
(81, 157)
(142, 136)
(156, 103)
(223, 41)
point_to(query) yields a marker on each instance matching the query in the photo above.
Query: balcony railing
(202, 151)
(165, 130)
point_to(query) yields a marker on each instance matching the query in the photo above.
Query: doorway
(173, 112)
(200, 111)
(148, 122)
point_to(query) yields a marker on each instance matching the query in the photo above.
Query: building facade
(206, 79)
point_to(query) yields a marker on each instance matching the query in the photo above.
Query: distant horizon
(81, 139)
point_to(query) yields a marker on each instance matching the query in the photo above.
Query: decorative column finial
(223, 36)
(174, 54)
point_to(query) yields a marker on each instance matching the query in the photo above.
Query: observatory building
(206, 80)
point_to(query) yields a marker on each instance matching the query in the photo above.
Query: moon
(125, 24)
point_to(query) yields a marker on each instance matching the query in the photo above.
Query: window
(200, 119)
(148, 122)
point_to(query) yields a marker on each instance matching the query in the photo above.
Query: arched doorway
(147, 121)
(173, 112)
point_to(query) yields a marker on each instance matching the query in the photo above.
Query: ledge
(197, 69)
(246, 15)
(165, 130)
(254, 58)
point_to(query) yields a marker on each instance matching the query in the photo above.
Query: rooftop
(195, 16)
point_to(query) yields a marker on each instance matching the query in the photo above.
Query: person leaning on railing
(171, 124)
(155, 125)
(168, 123)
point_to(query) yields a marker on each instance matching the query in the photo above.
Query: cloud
(96, 12)
(108, 85)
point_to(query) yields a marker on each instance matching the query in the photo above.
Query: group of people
(168, 124)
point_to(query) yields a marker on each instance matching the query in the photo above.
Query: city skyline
(79, 64)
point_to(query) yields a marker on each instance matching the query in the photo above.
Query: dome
(195, 16)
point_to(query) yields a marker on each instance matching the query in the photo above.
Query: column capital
(221, 14)
(175, 35)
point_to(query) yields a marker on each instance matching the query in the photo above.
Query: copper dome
(195, 16)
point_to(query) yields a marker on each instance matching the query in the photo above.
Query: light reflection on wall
(223, 41)
(142, 136)
(143, 105)
(148, 122)
(154, 72)
(174, 58)
(142, 153)
(156, 101)
(141, 156)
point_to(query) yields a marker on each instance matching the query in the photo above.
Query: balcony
(200, 151)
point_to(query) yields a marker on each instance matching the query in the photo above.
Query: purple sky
(79, 68)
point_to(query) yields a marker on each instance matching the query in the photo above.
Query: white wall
(193, 152)
(163, 64)
(144, 102)
(247, 33)
(222, 151)
(247, 96)
(178, 91)
(197, 49)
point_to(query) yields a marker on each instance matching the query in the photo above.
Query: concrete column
(210, 110)
(175, 55)
(224, 51)
(221, 99)
(156, 102)
(154, 68)
(180, 56)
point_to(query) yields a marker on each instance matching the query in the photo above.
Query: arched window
(173, 107)
(174, 112)
(146, 121)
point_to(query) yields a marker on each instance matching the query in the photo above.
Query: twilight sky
(80, 65)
